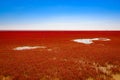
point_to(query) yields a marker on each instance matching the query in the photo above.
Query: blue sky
(59, 15)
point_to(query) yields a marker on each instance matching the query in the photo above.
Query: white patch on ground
(28, 47)
(85, 41)
(90, 41)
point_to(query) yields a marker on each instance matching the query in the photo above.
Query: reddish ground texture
(62, 59)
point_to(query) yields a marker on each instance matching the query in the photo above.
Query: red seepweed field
(54, 55)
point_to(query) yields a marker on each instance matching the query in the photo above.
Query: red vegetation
(63, 59)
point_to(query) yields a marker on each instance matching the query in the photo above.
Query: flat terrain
(53, 55)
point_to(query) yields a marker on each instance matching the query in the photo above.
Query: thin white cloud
(65, 23)
(59, 26)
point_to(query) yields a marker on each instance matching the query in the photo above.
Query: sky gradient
(59, 15)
